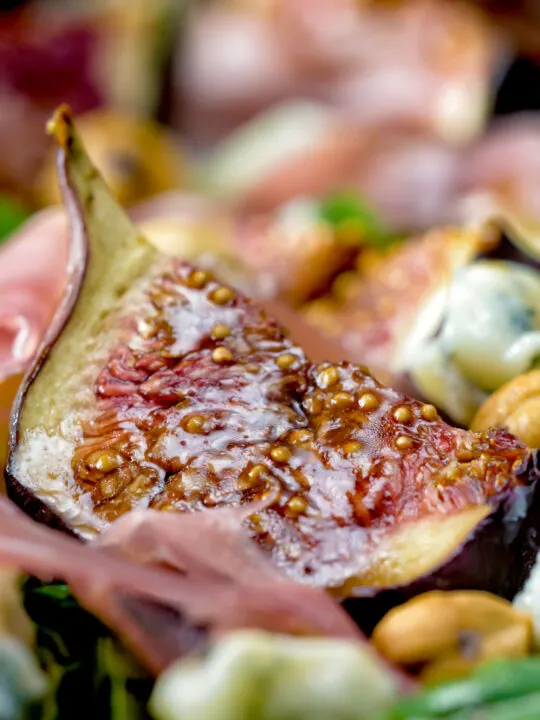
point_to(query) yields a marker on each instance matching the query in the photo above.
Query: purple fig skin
(497, 557)
(34, 507)
(77, 264)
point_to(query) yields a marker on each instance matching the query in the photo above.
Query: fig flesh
(158, 386)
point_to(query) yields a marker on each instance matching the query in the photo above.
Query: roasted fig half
(159, 386)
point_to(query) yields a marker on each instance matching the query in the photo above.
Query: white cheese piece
(250, 675)
(473, 335)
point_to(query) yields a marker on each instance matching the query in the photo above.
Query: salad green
(247, 675)
(89, 673)
(350, 214)
(12, 215)
(499, 690)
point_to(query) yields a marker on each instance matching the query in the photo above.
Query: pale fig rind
(79, 182)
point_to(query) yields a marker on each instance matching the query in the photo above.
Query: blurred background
(258, 101)
(303, 142)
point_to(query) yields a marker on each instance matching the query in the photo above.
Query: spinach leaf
(90, 674)
(499, 690)
(12, 215)
(354, 220)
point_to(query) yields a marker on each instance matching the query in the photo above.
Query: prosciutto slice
(32, 278)
(168, 584)
(424, 64)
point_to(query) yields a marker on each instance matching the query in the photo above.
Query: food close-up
(269, 360)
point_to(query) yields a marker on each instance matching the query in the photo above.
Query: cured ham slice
(168, 585)
(421, 64)
(33, 267)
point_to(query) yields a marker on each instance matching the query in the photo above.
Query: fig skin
(76, 197)
(497, 557)
(482, 505)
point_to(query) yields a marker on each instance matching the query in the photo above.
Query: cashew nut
(447, 633)
(516, 406)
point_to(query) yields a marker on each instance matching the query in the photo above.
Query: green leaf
(12, 215)
(355, 220)
(57, 592)
(90, 674)
(522, 708)
(485, 691)
(117, 669)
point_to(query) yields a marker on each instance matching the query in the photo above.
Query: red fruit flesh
(184, 420)
(169, 390)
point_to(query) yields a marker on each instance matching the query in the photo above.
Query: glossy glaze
(211, 404)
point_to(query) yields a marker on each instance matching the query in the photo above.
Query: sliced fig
(383, 300)
(407, 312)
(161, 387)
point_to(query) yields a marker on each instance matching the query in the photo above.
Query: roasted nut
(191, 236)
(515, 406)
(346, 284)
(418, 631)
(323, 313)
(448, 633)
(138, 158)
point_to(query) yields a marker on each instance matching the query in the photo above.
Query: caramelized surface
(209, 403)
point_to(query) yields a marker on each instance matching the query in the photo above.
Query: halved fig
(449, 317)
(383, 300)
(161, 387)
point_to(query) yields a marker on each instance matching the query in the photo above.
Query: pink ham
(423, 64)
(506, 164)
(167, 583)
(32, 278)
